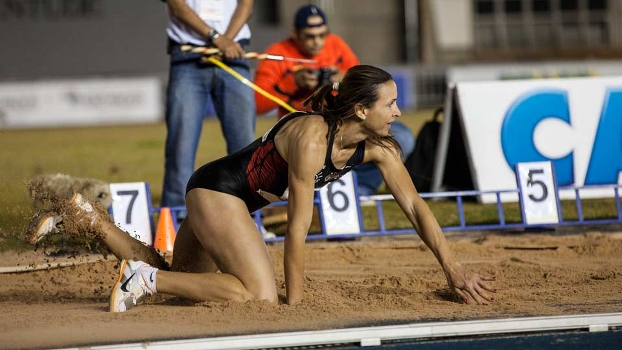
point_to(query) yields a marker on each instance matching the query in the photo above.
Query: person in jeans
(293, 82)
(192, 85)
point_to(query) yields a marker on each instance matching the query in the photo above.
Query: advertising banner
(576, 123)
(80, 102)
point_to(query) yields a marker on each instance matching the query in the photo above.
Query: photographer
(293, 82)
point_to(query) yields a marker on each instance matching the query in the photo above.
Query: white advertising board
(80, 102)
(533, 70)
(576, 123)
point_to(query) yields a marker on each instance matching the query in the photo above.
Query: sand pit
(373, 281)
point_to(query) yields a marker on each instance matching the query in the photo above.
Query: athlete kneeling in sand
(303, 151)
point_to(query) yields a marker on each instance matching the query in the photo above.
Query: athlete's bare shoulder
(308, 127)
(304, 134)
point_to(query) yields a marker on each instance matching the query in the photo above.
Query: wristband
(213, 34)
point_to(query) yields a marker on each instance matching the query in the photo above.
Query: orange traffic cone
(165, 234)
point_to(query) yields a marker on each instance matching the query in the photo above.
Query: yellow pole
(246, 82)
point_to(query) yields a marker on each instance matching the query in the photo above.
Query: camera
(323, 75)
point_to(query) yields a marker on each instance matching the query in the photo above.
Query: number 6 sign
(537, 193)
(340, 207)
(130, 209)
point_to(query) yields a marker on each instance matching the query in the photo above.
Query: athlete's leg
(77, 216)
(229, 235)
(188, 254)
(123, 246)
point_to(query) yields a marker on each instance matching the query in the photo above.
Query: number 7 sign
(130, 209)
(537, 193)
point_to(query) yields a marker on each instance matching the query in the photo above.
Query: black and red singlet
(258, 174)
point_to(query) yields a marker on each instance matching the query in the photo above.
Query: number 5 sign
(340, 207)
(130, 209)
(537, 193)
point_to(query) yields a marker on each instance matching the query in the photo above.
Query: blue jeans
(190, 88)
(368, 175)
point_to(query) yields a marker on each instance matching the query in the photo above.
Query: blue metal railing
(458, 197)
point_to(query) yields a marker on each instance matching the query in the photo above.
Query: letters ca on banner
(572, 123)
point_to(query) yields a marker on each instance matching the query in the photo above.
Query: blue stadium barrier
(459, 198)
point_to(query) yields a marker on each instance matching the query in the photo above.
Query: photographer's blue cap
(301, 19)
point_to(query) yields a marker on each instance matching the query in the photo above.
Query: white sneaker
(265, 233)
(49, 221)
(130, 288)
(44, 222)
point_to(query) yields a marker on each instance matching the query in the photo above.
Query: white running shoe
(44, 222)
(48, 221)
(130, 288)
(265, 233)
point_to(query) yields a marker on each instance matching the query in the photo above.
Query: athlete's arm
(305, 151)
(467, 285)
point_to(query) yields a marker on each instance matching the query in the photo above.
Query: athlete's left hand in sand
(470, 286)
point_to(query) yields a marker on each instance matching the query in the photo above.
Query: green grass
(135, 153)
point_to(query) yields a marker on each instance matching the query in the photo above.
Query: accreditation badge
(212, 10)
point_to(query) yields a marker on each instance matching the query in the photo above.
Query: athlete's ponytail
(322, 100)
